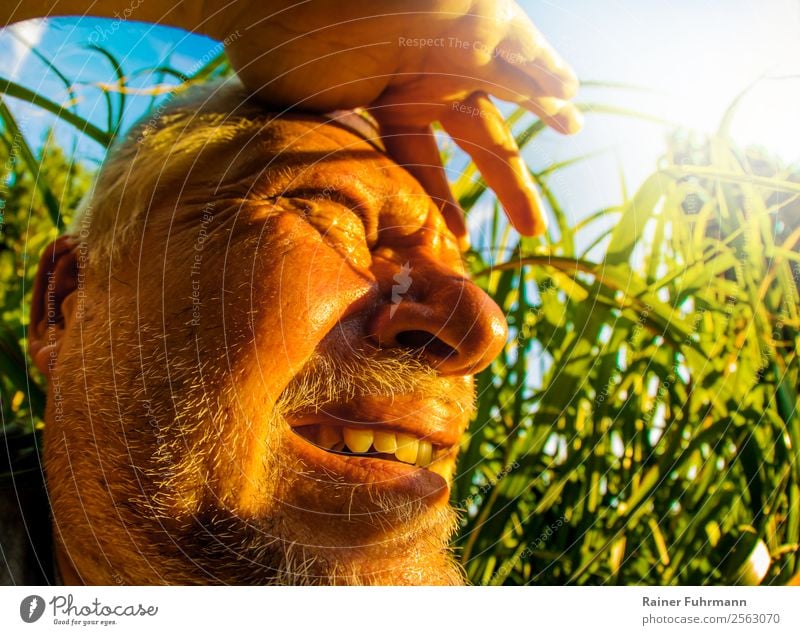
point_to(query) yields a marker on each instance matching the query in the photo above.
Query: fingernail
(570, 84)
(569, 121)
(539, 224)
(576, 122)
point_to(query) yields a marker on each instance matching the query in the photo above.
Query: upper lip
(430, 419)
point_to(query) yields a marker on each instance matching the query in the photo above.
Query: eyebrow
(315, 192)
(342, 185)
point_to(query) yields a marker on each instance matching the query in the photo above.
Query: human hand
(412, 63)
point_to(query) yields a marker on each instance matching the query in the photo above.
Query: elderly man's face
(271, 383)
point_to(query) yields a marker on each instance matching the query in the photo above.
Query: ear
(53, 301)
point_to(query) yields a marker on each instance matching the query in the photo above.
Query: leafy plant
(661, 444)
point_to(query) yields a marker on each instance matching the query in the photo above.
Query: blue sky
(65, 40)
(695, 56)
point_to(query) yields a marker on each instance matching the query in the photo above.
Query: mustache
(337, 376)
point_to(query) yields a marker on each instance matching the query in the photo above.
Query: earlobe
(52, 303)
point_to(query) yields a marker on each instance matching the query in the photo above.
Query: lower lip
(385, 476)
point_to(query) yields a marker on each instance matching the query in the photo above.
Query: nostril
(451, 323)
(424, 341)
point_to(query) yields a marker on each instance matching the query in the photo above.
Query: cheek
(286, 290)
(289, 292)
(343, 230)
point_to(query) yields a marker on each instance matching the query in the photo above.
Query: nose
(429, 308)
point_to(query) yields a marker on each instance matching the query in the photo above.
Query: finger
(524, 51)
(561, 116)
(412, 103)
(505, 82)
(415, 149)
(479, 129)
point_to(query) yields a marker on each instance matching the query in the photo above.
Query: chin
(319, 531)
(335, 514)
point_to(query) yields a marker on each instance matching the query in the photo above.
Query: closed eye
(340, 197)
(325, 194)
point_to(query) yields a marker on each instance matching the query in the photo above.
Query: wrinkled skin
(167, 457)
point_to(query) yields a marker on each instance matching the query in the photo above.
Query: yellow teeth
(407, 447)
(358, 440)
(329, 437)
(385, 442)
(424, 454)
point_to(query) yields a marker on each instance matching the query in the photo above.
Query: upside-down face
(269, 381)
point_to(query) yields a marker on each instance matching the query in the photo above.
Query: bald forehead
(236, 151)
(302, 134)
(304, 151)
(311, 158)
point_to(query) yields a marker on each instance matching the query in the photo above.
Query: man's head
(260, 343)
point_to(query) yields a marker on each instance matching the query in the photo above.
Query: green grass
(641, 426)
(662, 443)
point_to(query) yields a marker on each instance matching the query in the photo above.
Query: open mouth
(384, 444)
(404, 444)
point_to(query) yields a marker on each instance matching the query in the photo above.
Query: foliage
(640, 427)
(661, 445)
(27, 227)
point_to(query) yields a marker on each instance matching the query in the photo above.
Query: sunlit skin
(166, 458)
